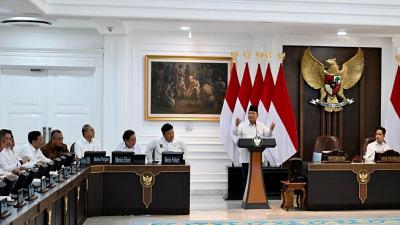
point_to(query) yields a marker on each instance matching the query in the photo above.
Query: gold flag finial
(398, 59)
(234, 56)
(268, 56)
(259, 56)
(281, 56)
(246, 55)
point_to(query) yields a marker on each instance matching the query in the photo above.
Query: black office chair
(72, 149)
(295, 170)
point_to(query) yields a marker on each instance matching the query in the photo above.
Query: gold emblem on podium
(363, 177)
(147, 179)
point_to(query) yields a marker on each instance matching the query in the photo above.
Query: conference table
(107, 190)
(342, 186)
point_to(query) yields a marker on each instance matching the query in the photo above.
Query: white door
(58, 98)
(71, 102)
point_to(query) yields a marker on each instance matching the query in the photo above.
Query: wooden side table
(288, 190)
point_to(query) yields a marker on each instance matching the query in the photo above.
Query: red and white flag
(243, 95)
(281, 112)
(257, 87)
(266, 96)
(392, 119)
(242, 100)
(263, 108)
(226, 114)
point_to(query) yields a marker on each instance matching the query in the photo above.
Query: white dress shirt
(83, 145)
(375, 147)
(160, 145)
(35, 155)
(9, 161)
(123, 148)
(4, 173)
(248, 130)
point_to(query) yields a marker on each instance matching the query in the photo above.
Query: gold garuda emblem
(331, 80)
(147, 179)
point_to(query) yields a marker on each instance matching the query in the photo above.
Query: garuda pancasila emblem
(332, 81)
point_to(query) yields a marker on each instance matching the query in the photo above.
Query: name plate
(333, 158)
(123, 159)
(31, 190)
(73, 168)
(66, 171)
(52, 181)
(84, 162)
(20, 196)
(101, 160)
(3, 205)
(43, 184)
(172, 158)
(390, 159)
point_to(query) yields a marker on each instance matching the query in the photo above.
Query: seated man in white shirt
(249, 129)
(32, 149)
(129, 143)
(3, 145)
(166, 143)
(379, 145)
(86, 142)
(9, 161)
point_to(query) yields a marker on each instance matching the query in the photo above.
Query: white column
(117, 83)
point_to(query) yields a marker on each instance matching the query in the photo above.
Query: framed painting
(185, 87)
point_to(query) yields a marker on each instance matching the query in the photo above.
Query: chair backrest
(295, 170)
(366, 142)
(326, 143)
(72, 149)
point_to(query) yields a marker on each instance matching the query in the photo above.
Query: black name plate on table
(67, 171)
(60, 177)
(84, 162)
(20, 199)
(122, 160)
(73, 168)
(52, 181)
(3, 208)
(101, 160)
(30, 193)
(172, 158)
(43, 185)
(389, 159)
(334, 158)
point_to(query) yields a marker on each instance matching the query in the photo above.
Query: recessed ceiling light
(27, 21)
(190, 35)
(185, 28)
(341, 33)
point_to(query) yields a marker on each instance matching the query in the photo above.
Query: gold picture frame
(185, 88)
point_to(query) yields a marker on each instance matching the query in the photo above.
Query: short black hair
(85, 128)
(33, 135)
(380, 128)
(127, 134)
(54, 132)
(6, 131)
(166, 127)
(2, 136)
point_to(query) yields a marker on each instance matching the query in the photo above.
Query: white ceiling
(317, 17)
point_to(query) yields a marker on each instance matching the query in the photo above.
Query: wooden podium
(255, 196)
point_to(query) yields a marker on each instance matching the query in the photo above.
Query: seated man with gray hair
(86, 142)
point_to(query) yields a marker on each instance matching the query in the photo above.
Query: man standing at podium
(249, 129)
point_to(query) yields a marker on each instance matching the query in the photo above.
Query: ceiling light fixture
(27, 21)
(185, 28)
(341, 33)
